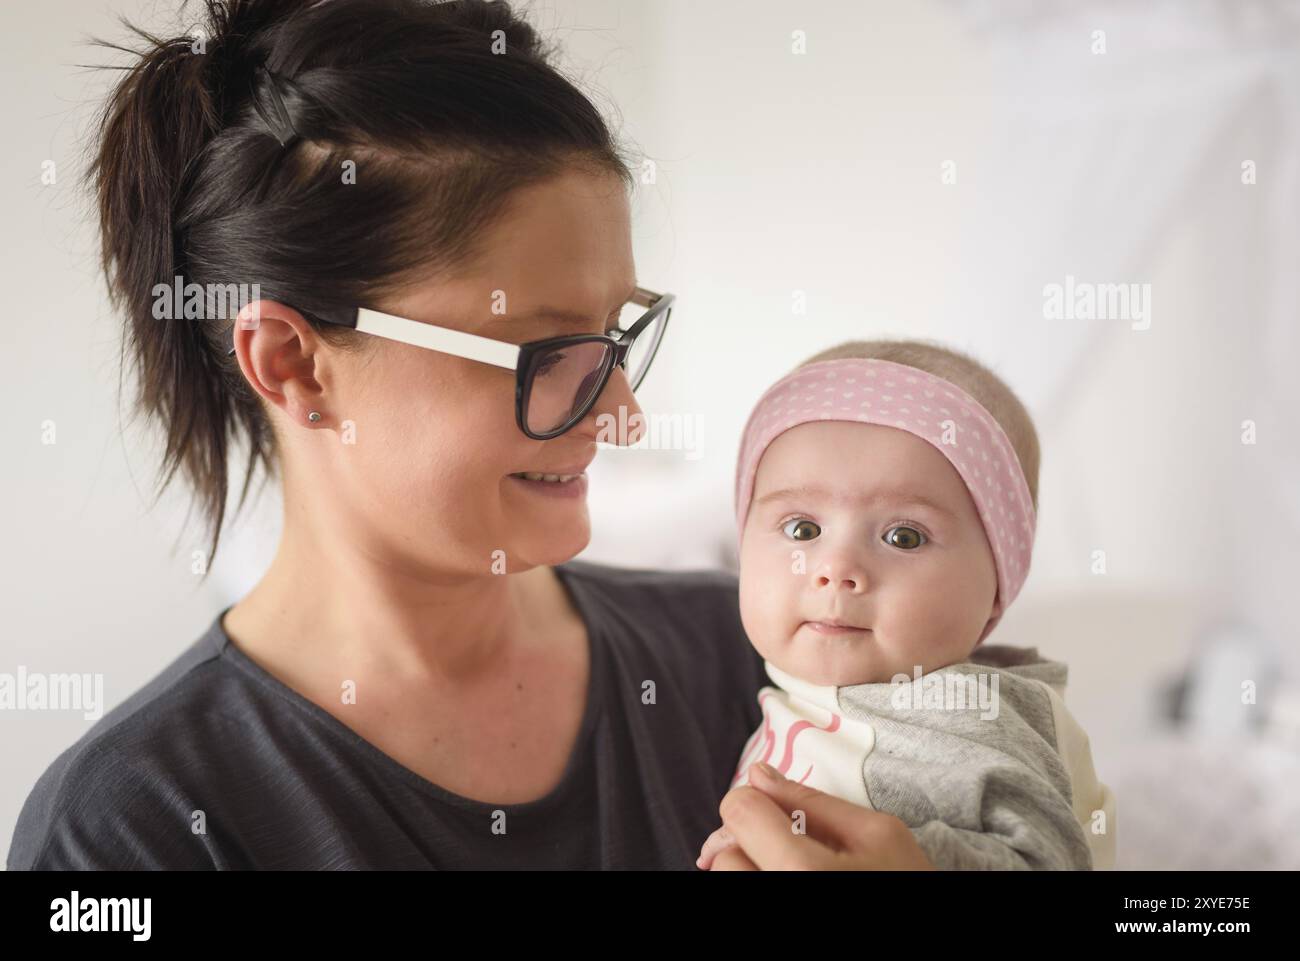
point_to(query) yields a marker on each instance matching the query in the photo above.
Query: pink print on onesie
(808, 740)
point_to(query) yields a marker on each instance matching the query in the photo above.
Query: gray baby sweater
(980, 759)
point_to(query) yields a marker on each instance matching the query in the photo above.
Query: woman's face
(427, 483)
(870, 526)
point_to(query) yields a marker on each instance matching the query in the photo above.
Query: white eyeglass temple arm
(444, 339)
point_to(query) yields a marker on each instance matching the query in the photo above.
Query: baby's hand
(714, 844)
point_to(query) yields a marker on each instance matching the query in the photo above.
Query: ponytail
(154, 127)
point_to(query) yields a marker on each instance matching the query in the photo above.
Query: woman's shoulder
(682, 630)
(695, 578)
(102, 802)
(691, 615)
(696, 599)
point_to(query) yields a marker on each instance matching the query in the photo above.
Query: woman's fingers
(718, 841)
(732, 858)
(840, 824)
(852, 837)
(780, 825)
(767, 834)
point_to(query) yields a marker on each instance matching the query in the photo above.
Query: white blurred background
(821, 172)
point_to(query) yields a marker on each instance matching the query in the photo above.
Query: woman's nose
(616, 417)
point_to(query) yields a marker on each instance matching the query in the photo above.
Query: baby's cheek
(910, 615)
(765, 602)
(935, 620)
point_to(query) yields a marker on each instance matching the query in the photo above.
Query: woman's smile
(574, 486)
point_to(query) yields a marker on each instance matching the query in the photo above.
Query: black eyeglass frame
(522, 358)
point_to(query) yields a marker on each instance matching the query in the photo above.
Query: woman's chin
(551, 547)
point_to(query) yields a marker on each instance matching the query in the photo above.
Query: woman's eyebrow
(565, 318)
(571, 318)
(814, 492)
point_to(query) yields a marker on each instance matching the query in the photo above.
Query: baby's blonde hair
(968, 374)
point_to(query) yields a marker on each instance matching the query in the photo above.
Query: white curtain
(1097, 165)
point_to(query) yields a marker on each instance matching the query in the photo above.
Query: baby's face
(872, 527)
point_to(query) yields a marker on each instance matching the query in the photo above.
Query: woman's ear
(278, 351)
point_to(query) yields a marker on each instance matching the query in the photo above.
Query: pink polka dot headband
(872, 391)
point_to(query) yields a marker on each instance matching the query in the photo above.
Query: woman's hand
(774, 824)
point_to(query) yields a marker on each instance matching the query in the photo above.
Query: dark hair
(191, 181)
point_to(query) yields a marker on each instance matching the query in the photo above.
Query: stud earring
(313, 417)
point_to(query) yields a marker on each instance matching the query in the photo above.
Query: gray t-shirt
(282, 784)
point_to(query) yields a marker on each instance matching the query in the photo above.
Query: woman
(422, 678)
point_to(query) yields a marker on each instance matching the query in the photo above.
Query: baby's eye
(809, 529)
(902, 536)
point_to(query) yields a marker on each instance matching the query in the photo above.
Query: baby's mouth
(834, 627)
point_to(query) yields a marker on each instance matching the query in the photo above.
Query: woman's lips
(834, 627)
(575, 488)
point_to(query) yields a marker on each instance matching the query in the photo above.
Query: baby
(886, 496)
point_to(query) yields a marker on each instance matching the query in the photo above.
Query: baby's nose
(846, 579)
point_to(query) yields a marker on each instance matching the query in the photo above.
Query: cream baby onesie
(980, 759)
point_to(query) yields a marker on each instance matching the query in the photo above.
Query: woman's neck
(348, 603)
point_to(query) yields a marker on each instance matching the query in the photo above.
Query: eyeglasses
(557, 380)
